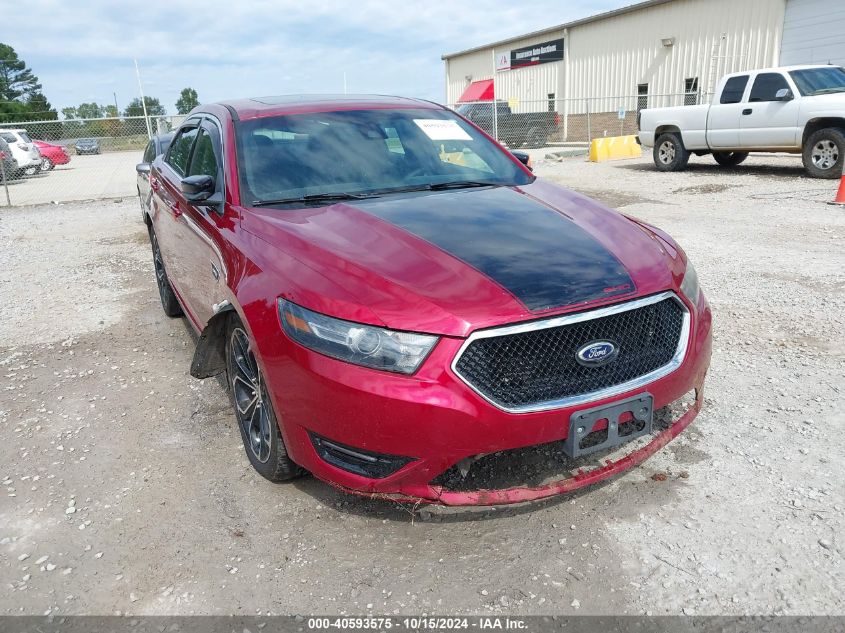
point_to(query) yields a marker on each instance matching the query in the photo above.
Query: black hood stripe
(541, 257)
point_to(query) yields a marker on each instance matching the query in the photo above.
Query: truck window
(734, 89)
(766, 86)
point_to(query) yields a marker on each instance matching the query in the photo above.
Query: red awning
(478, 91)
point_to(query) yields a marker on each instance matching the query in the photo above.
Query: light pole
(143, 101)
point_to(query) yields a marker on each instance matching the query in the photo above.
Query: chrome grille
(533, 366)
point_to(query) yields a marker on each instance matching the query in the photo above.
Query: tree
(188, 100)
(154, 107)
(20, 93)
(16, 80)
(89, 111)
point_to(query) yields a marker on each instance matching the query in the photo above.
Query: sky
(83, 51)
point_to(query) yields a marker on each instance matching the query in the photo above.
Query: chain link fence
(561, 122)
(75, 159)
(96, 158)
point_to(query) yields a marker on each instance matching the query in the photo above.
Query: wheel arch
(666, 129)
(210, 353)
(821, 123)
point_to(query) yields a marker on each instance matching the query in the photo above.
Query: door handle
(747, 111)
(176, 210)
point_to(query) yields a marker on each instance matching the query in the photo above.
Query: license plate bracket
(581, 423)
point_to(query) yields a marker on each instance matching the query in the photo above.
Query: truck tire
(536, 138)
(824, 153)
(730, 159)
(670, 153)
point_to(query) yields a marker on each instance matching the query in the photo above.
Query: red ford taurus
(404, 310)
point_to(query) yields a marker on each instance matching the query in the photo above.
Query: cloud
(229, 50)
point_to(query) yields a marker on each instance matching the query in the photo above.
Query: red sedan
(404, 310)
(51, 155)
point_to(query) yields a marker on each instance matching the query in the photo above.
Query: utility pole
(143, 101)
(116, 109)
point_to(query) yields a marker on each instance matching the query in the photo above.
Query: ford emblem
(596, 353)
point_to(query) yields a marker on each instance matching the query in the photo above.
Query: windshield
(25, 137)
(365, 152)
(818, 81)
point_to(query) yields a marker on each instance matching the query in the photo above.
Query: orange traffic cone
(840, 195)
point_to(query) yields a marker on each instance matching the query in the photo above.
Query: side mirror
(197, 188)
(784, 94)
(142, 168)
(524, 158)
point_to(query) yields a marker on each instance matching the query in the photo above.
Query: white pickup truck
(796, 109)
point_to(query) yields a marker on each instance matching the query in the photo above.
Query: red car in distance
(51, 155)
(405, 311)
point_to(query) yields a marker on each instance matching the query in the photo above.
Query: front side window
(180, 150)
(203, 162)
(366, 152)
(766, 86)
(734, 89)
(819, 81)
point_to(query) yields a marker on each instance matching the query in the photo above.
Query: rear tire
(254, 412)
(670, 153)
(824, 153)
(46, 164)
(730, 159)
(169, 302)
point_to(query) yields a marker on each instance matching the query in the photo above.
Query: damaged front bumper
(637, 452)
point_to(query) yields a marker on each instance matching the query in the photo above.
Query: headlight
(356, 343)
(689, 286)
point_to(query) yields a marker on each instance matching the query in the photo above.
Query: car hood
(454, 261)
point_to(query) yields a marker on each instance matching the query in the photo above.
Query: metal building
(598, 71)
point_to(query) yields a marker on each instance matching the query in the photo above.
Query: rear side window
(8, 137)
(180, 150)
(203, 163)
(766, 86)
(734, 89)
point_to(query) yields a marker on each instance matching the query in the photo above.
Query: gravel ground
(125, 486)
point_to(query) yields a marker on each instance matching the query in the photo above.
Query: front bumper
(437, 420)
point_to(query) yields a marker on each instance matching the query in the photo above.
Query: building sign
(503, 60)
(537, 54)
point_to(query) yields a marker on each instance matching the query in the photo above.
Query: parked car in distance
(51, 155)
(87, 146)
(796, 109)
(25, 153)
(156, 146)
(389, 311)
(514, 129)
(7, 163)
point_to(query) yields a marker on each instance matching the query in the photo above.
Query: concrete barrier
(614, 148)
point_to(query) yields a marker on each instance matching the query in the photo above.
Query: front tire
(730, 159)
(32, 170)
(254, 412)
(824, 153)
(670, 153)
(169, 302)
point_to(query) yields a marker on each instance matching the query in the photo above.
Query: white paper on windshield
(442, 130)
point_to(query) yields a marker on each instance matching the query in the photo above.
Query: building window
(551, 101)
(691, 91)
(642, 97)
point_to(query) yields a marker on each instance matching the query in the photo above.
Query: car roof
(258, 107)
(781, 69)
